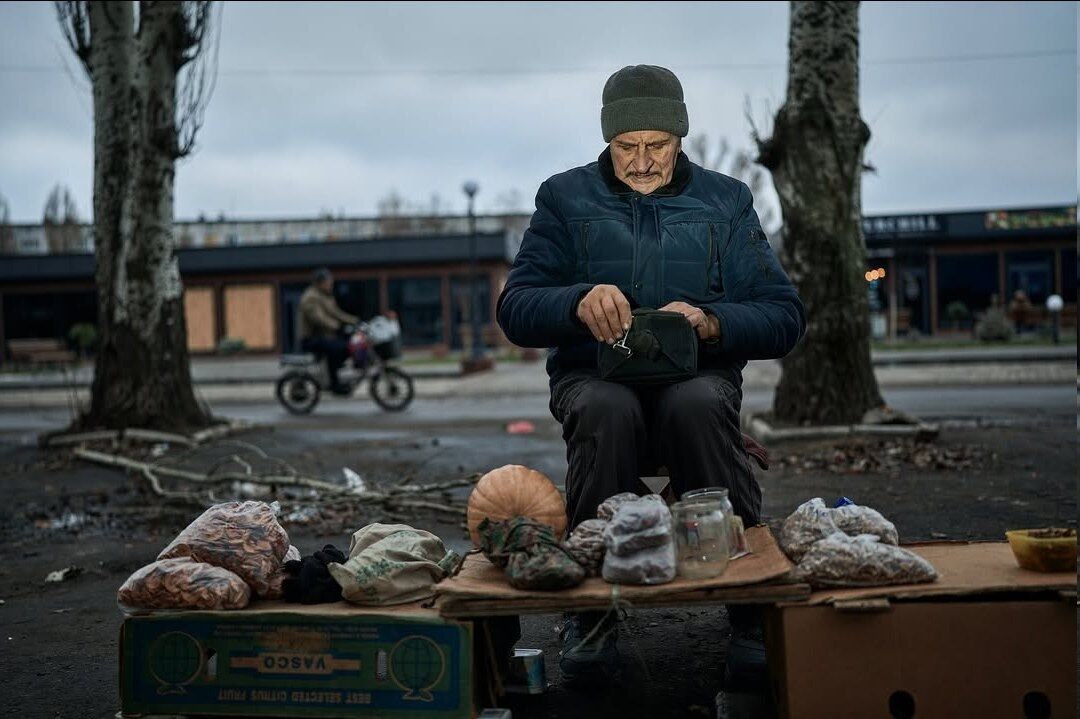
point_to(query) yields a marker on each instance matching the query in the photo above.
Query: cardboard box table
(986, 640)
(435, 659)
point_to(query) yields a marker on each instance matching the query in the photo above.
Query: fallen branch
(150, 435)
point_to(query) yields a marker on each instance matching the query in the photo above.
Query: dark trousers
(333, 349)
(615, 435)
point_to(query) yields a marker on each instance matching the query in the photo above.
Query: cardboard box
(276, 659)
(986, 640)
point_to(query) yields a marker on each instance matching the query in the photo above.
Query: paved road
(997, 402)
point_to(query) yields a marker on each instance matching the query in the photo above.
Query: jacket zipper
(585, 247)
(708, 267)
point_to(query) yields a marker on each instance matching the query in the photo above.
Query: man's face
(327, 285)
(645, 159)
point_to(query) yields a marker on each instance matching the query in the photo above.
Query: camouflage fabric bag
(529, 553)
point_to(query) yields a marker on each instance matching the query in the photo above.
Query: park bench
(39, 352)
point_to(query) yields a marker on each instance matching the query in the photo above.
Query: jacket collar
(680, 178)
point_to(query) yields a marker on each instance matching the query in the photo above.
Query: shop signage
(1031, 219)
(903, 225)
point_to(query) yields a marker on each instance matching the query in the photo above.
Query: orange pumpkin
(515, 491)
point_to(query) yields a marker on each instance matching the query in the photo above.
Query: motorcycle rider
(320, 324)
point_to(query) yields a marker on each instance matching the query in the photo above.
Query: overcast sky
(332, 106)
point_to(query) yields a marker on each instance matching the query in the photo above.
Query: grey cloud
(945, 134)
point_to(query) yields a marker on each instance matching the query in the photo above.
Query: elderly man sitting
(643, 226)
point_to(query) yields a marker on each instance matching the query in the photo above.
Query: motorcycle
(372, 346)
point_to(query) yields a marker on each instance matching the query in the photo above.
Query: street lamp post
(1055, 304)
(476, 358)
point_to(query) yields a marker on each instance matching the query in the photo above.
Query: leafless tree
(60, 218)
(151, 67)
(7, 235)
(815, 155)
(740, 165)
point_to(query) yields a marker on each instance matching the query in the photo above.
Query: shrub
(957, 312)
(994, 326)
(231, 346)
(83, 336)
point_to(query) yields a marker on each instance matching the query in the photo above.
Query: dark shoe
(590, 655)
(746, 665)
(341, 390)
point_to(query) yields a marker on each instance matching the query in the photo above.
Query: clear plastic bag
(243, 537)
(813, 521)
(861, 561)
(655, 565)
(856, 519)
(586, 545)
(640, 543)
(609, 506)
(183, 583)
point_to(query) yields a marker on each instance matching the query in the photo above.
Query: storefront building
(251, 293)
(941, 271)
(927, 273)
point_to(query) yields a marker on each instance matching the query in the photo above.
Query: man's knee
(605, 404)
(700, 401)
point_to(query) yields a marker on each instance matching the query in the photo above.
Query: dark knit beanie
(643, 97)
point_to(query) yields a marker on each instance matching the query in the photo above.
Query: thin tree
(7, 235)
(151, 68)
(815, 155)
(60, 219)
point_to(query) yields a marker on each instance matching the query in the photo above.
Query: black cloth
(308, 581)
(616, 434)
(334, 350)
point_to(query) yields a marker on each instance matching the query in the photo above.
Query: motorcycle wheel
(392, 389)
(298, 392)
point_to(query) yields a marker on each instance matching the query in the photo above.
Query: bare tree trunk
(142, 375)
(816, 159)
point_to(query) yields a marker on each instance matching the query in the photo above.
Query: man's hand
(606, 312)
(707, 326)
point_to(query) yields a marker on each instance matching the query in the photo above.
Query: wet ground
(58, 640)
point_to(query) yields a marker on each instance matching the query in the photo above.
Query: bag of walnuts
(183, 583)
(243, 537)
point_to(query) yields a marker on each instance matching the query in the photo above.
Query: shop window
(358, 297)
(966, 285)
(1069, 270)
(47, 315)
(418, 302)
(1031, 273)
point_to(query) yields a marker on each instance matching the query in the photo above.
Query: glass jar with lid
(701, 538)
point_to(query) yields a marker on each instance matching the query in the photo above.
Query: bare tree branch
(196, 64)
(74, 17)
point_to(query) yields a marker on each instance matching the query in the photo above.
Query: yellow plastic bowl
(1044, 550)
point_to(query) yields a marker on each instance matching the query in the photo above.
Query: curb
(764, 432)
(897, 358)
(56, 383)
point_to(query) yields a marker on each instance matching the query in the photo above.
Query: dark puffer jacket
(697, 240)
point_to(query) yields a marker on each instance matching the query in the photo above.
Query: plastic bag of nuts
(183, 583)
(861, 561)
(586, 545)
(243, 537)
